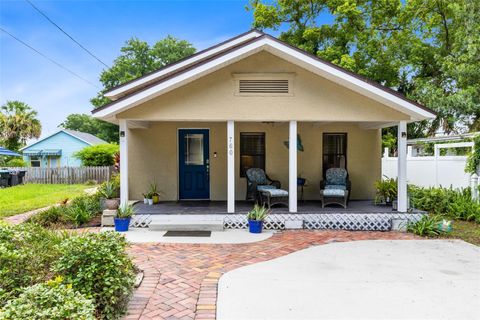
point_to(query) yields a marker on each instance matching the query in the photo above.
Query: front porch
(360, 215)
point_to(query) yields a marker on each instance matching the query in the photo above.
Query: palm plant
(18, 123)
(125, 211)
(258, 213)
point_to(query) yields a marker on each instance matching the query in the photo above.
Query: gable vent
(259, 86)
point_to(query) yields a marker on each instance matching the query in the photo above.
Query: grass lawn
(465, 230)
(28, 197)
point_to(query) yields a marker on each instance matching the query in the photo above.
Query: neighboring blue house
(57, 150)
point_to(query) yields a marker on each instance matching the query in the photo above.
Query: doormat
(187, 234)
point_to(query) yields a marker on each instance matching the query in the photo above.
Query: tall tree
(85, 123)
(138, 58)
(18, 123)
(426, 49)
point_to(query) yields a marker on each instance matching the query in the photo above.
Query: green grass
(28, 197)
(465, 230)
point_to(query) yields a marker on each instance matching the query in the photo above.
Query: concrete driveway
(407, 279)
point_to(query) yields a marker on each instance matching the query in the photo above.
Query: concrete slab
(407, 279)
(143, 235)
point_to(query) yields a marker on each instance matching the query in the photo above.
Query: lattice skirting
(336, 221)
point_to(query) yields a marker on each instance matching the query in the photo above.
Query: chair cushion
(334, 192)
(275, 193)
(336, 176)
(336, 186)
(256, 175)
(265, 187)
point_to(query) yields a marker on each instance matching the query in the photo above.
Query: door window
(194, 149)
(334, 151)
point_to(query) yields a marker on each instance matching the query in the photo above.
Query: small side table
(301, 182)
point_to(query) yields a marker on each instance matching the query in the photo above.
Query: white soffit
(283, 51)
(122, 90)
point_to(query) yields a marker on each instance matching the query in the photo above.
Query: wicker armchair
(258, 180)
(335, 188)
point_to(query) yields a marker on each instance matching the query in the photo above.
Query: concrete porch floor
(241, 207)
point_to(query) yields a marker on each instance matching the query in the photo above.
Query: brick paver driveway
(181, 279)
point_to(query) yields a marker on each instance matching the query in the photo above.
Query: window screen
(252, 151)
(334, 151)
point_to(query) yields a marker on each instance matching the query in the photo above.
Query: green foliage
(27, 253)
(97, 265)
(386, 190)
(258, 213)
(18, 123)
(85, 123)
(109, 190)
(138, 58)
(426, 49)
(457, 204)
(125, 211)
(473, 160)
(98, 155)
(49, 301)
(76, 213)
(426, 227)
(15, 162)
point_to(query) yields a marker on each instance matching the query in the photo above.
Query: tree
(427, 49)
(18, 123)
(98, 155)
(138, 58)
(85, 123)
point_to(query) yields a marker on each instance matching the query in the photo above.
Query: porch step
(186, 225)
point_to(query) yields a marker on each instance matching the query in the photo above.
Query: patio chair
(335, 188)
(257, 181)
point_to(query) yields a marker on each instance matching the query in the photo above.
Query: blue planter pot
(121, 224)
(255, 226)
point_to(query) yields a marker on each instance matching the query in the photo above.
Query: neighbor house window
(334, 151)
(35, 162)
(252, 151)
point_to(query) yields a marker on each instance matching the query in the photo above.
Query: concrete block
(107, 217)
(399, 225)
(293, 224)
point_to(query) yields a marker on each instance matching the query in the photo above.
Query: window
(35, 162)
(334, 151)
(194, 149)
(252, 151)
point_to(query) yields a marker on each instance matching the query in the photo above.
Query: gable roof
(207, 61)
(88, 138)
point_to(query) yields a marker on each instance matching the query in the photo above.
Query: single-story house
(58, 149)
(194, 126)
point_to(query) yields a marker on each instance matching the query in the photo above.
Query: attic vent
(274, 86)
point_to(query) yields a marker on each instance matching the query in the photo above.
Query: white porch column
(230, 166)
(292, 167)
(402, 166)
(123, 161)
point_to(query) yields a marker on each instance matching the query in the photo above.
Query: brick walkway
(181, 279)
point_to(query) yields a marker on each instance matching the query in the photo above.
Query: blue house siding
(59, 141)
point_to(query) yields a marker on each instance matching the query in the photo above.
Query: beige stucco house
(195, 126)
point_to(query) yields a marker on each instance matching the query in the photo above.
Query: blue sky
(102, 27)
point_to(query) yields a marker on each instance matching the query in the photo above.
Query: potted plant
(149, 197)
(124, 215)
(154, 192)
(109, 191)
(145, 198)
(255, 218)
(386, 191)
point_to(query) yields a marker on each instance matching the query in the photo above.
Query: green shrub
(98, 266)
(98, 155)
(425, 227)
(463, 208)
(49, 218)
(15, 162)
(82, 209)
(473, 160)
(27, 253)
(433, 200)
(49, 301)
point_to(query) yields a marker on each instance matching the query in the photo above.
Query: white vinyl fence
(431, 171)
(65, 175)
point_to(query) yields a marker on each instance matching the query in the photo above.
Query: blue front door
(194, 164)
